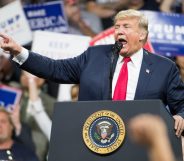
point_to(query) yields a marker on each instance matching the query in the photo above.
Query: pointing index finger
(4, 36)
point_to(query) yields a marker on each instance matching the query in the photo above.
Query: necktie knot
(126, 59)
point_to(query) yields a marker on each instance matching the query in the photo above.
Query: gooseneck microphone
(114, 56)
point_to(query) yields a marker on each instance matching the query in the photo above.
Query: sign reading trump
(13, 22)
(166, 32)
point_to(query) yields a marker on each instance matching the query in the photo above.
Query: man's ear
(142, 35)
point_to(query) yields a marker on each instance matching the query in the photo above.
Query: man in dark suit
(149, 76)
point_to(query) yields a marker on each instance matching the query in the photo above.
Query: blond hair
(131, 13)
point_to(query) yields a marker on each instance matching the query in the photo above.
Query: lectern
(71, 118)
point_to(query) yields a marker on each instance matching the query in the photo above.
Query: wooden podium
(67, 142)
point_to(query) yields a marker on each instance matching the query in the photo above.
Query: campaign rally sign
(47, 16)
(14, 23)
(9, 96)
(166, 34)
(60, 46)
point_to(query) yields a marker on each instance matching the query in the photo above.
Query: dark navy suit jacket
(159, 77)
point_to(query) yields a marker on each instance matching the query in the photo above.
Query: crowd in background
(85, 17)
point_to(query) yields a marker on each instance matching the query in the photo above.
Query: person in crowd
(152, 5)
(179, 58)
(37, 111)
(180, 63)
(80, 20)
(74, 92)
(21, 132)
(150, 130)
(10, 76)
(10, 149)
(138, 74)
(33, 95)
(41, 117)
(9, 73)
(166, 5)
(105, 9)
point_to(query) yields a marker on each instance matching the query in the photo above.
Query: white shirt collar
(136, 58)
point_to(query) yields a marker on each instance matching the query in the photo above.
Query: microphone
(117, 47)
(115, 53)
(115, 50)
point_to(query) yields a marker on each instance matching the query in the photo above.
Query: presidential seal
(103, 132)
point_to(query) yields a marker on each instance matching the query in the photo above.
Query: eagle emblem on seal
(104, 132)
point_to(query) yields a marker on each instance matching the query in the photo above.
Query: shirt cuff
(22, 57)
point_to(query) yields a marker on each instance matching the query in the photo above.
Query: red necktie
(121, 85)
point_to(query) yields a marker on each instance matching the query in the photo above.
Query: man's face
(5, 127)
(128, 32)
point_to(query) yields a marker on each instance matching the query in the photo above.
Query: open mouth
(123, 41)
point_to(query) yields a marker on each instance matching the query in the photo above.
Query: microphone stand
(115, 53)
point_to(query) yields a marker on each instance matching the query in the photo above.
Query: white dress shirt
(134, 67)
(22, 57)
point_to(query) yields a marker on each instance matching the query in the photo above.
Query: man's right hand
(9, 45)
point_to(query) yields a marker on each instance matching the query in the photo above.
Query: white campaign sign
(59, 46)
(14, 23)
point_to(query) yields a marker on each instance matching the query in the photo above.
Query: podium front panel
(67, 142)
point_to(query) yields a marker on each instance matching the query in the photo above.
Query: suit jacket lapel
(144, 76)
(106, 73)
